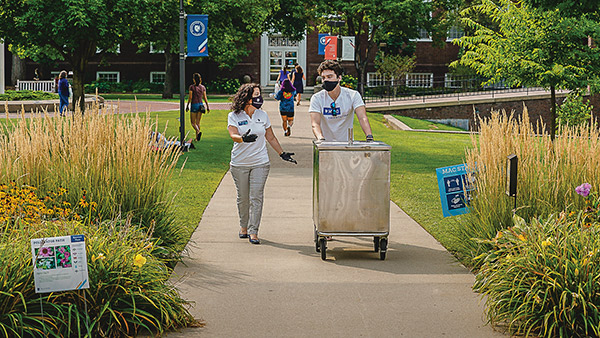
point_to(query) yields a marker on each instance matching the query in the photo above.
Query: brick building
(263, 63)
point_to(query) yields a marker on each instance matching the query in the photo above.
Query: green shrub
(140, 86)
(223, 86)
(349, 81)
(574, 111)
(25, 95)
(541, 278)
(546, 174)
(104, 156)
(123, 297)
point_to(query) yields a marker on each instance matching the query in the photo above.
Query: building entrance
(277, 51)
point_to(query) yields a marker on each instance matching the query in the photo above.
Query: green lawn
(424, 124)
(158, 97)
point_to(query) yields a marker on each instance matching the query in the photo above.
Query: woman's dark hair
(243, 95)
(330, 65)
(287, 86)
(285, 68)
(298, 69)
(197, 79)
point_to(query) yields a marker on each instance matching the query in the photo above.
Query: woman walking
(297, 77)
(197, 95)
(250, 128)
(286, 105)
(63, 93)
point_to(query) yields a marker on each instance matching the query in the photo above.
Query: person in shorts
(197, 95)
(285, 96)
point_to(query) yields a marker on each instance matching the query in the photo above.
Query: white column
(2, 71)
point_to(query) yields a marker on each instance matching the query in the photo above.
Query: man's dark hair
(330, 65)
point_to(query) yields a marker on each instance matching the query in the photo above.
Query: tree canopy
(531, 47)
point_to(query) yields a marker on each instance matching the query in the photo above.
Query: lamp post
(181, 75)
(2, 71)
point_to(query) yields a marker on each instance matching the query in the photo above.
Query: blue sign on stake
(455, 189)
(323, 41)
(197, 35)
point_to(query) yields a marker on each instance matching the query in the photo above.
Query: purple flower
(584, 189)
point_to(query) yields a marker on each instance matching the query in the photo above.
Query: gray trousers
(250, 185)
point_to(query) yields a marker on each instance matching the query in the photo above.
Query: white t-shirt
(335, 124)
(252, 153)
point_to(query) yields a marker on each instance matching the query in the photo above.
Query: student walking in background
(285, 96)
(250, 129)
(297, 77)
(197, 95)
(63, 93)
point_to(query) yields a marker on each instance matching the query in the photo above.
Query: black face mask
(257, 102)
(329, 85)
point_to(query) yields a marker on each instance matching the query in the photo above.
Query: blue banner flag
(197, 35)
(323, 41)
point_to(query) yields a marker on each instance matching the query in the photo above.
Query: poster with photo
(59, 263)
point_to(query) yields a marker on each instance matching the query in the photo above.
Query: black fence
(388, 91)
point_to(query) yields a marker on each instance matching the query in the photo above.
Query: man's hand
(247, 137)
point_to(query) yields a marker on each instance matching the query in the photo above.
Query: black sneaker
(289, 131)
(199, 136)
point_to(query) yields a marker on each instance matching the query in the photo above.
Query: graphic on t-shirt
(243, 123)
(332, 112)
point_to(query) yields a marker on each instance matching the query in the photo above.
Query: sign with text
(197, 35)
(348, 48)
(331, 48)
(59, 263)
(455, 189)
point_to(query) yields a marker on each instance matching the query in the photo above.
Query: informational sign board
(197, 35)
(455, 189)
(59, 263)
(348, 47)
(331, 48)
(322, 43)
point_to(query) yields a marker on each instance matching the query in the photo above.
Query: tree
(375, 21)
(394, 66)
(531, 47)
(74, 29)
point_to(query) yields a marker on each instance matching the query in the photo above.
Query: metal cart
(351, 192)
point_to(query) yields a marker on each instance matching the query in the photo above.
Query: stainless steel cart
(351, 192)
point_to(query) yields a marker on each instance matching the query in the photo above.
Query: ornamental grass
(547, 174)
(542, 278)
(98, 156)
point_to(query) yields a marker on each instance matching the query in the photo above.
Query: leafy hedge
(27, 95)
(130, 86)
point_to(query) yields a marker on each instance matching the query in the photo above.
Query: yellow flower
(100, 257)
(499, 235)
(521, 237)
(547, 242)
(139, 260)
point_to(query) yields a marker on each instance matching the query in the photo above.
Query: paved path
(282, 288)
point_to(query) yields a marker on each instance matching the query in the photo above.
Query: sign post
(331, 48)
(2, 71)
(181, 75)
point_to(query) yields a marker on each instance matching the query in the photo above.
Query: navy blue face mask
(257, 102)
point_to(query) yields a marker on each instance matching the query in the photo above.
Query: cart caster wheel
(376, 243)
(323, 243)
(383, 248)
(317, 244)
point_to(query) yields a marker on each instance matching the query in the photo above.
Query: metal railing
(456, 88)
(45, 86)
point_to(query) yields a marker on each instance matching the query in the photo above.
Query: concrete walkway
(282, 288)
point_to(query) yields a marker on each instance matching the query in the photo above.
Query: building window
(455, 33)
(280, 41)
(108, 76)
(376, 80)
(155, 50)
(419, 80)
(157, 77)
